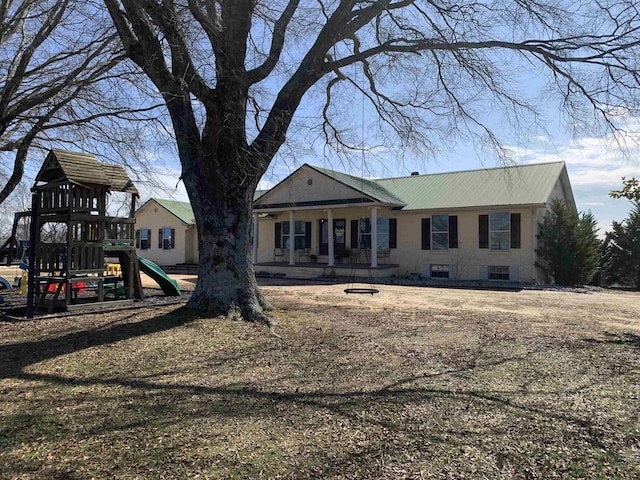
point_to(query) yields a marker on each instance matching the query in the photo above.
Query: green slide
(168, 285)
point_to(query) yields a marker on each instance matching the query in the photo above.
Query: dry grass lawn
(410, 383)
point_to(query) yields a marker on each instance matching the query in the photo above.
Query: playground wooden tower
(71, 191)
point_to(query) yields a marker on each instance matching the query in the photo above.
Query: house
(468, 225)
(166, 232)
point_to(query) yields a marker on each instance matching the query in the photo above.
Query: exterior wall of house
(308, 185)
(467, 262)
(191, 244)
(155, 217)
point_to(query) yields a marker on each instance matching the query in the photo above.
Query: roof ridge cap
(504, 167)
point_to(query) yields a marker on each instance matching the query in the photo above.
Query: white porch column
(332, 252)
(254, 247)
(292, 246)
(374, 237)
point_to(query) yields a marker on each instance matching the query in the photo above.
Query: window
(365, 233)
(386, 233)
(167, 238)
(143, 238)
(301, 235)
(440, 232)
(499, 231)
(498, 272)
(439, 271)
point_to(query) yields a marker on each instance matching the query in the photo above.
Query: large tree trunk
(226, 280)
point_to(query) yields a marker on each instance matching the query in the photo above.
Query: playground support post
(32, 254)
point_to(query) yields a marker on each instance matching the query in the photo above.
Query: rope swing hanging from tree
(362, 246)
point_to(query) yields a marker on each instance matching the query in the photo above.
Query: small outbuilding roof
(182, 210)
(120, 181)
(83, 169)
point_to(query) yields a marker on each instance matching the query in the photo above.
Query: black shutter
(137, 238)
(393, 233)
(173, 238)
(515, 230)
(277, 241)
(307, 235)
(160, 238)
(355, 233)
(426, 234)
(453, 231)
(483, 231)
(148, 246)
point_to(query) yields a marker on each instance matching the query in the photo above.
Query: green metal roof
(182, 210)
(258, 193)
(515, 185)
(370, 188)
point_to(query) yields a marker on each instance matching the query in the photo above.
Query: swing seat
(370, 291)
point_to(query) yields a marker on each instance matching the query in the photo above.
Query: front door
(339, 237)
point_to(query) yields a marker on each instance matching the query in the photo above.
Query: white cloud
(595, 166)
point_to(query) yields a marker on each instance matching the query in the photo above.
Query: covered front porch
(318, 223)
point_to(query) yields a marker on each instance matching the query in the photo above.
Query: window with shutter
(439, 232)
(166, 238)
(499, 231)
(301, 235)
(143, 238)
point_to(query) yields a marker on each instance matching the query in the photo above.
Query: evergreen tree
(621, 262)
(569, 247)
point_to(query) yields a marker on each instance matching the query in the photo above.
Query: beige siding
(468, 260)
(155, 217)
(308, 185)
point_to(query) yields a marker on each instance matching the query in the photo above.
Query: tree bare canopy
(234, 73)
(59, 60)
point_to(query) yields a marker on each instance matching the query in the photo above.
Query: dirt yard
(410, 383)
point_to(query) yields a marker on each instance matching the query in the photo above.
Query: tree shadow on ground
(14, 357)
(626, 338)
(379, 414)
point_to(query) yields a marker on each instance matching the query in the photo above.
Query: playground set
(94, 260)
